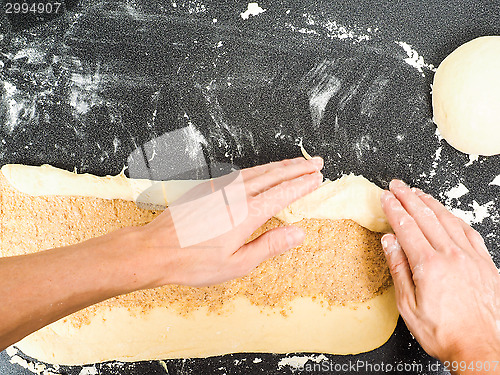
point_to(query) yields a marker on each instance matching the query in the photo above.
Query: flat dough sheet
(133, 333)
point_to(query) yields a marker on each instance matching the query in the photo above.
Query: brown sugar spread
(339, 261)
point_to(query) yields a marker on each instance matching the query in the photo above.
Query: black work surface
(87, 88)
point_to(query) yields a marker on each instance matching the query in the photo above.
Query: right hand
(263, 192)
(447, 286)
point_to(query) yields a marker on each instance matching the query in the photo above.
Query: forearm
(38, 289)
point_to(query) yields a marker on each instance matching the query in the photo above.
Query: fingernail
(318, 177)
(386, 195)
(294, 236)
(389, 243)
(384, 241)
(397, 184)
(317, 161)
(418, 192)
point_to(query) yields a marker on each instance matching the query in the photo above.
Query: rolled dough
(466, 97)
(350, 197)
(158, 329)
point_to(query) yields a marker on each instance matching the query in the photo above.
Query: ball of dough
(466, 97)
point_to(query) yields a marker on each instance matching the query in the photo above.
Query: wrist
(147, 258)
(134, 266)
(472, 356)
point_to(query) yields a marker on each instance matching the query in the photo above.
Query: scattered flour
(302, 30)
(88, 371)
(336, 30)
(253, 10)
(116, 144)
(496, 181)
(192, 138)
(34, 367)
(435, 162)
(84, 92)
(414, 59)
(472, 159)
(297, 362)
(196, 7)
(324, 86)
(457, 191)
(11, 351)
(33, 55)
(478, 213)
(475, 213)
(257, 360)
(437, 133)
(18, 106)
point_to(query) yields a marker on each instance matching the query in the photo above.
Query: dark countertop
(88, 87)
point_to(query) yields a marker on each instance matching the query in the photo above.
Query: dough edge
(240, 327)
(349, 197)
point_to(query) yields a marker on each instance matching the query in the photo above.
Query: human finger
(281, 172)
(266, 246)
(454, 226)
(249, 173)
(411, 238)
(400, 272)
(477, 241)
(272, 201)
(423, 215)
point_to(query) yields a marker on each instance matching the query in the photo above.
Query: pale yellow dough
(129, 334)
(48, 180)
(466, 97)
(161, 333)
(350, 197)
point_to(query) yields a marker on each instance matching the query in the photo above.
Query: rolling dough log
(466, 97)
(333, 294)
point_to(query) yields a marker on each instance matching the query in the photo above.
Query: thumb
(400, 272)
(267, 245)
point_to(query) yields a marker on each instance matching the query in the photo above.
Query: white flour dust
(457, 191)
(297, 362)
(88, 371)
(194, 139)
(477, 214)
(472, 158)
(20, 107)
(192, 6)
(34, 367)
(438, 135)
(336, 30)
(253, 9)
(322, 86)
(363, 146)
(84, 92)
(496, 181)
(473, 213)
(33, 55)
(435, 163)
(414, 59)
